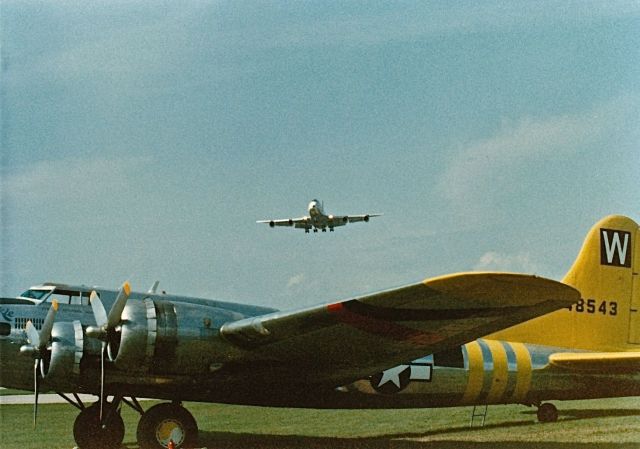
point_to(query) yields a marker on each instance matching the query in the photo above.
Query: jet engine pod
(131, 346)
(272, 224)
(61, 366)
(366, 218)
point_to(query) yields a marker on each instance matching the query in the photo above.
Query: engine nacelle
(272, 224)
(132, 346)
(158, 336)
(61, 366)
(366, 218)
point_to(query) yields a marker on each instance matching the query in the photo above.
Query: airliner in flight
(318, 219)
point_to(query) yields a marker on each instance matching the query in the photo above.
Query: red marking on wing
(335, 307)
(384, 328)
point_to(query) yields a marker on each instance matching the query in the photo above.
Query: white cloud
(295, 281)
(75, 192)
(161, 42)
(72, 179)
(262, 28)
(487, 172)
(494, 261)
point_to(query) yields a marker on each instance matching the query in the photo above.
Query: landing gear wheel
(165, 422)
(90, 434)
(547, 413)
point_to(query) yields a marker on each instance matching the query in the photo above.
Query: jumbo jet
(471, 339)
(317, 219)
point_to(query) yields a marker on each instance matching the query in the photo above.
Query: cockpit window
(35, 294)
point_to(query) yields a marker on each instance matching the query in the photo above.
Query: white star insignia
(392, 375)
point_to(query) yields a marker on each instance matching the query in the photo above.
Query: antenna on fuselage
(153, 288)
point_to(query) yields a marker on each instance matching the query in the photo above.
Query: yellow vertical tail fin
(607, 318)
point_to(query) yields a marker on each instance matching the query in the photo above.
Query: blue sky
(142, 140)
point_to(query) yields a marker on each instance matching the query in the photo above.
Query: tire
(547, 413)
(164, 422)
(89, 434)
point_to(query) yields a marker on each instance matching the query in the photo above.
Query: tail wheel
(547, 413)
(89, 433)
(165, 422)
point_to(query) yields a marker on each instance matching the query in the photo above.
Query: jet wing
(297, 222)
(596, 362)
(340, 342)
(356, 218)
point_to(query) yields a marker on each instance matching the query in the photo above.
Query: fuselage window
(35, 294)
(69, 297)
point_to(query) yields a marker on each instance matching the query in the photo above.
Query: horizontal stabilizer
(597, 362)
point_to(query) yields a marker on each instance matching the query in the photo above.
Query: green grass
(11, 391)
(608, 424)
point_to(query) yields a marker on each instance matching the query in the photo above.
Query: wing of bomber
(596, 362)
(344, 341)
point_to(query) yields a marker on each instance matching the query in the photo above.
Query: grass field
(609, 424)
(11, 391)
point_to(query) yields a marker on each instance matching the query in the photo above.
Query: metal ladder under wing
(479, 411)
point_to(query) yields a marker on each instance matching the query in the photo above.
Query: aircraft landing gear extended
(547, 413)
(156, 428)
(165, 422)
(89, 433)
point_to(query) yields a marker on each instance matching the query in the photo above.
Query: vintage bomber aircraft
(179, 349)
(318, 219)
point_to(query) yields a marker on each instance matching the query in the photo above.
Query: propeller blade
(39, 342)
(36, 391)
(104, 348)
(47, 326)
(32, 334)
(106, 323)
(99, 312)
(118, 306)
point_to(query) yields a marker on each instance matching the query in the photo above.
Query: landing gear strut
(547, 413)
